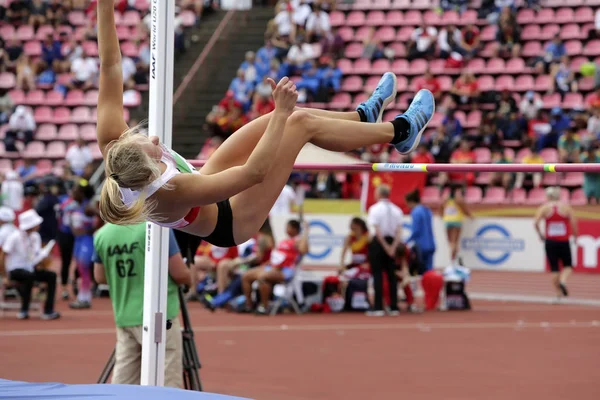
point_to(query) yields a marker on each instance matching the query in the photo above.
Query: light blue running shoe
(418, 115)
(384, 94)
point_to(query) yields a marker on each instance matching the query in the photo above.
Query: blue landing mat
(10, 390)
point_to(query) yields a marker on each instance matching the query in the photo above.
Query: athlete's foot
(563, 289)
(418, 115)
(385, 92)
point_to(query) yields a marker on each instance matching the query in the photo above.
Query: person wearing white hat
(19, 253)
(7, 226)
(21, 125)
(12, 191)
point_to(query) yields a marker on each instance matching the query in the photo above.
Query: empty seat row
(26, 33)
(64, 115)
(73, 98)
(54, 150)
(33, 48)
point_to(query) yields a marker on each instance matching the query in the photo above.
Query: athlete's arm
(302, 244)
(539, 214)
(111, 123)
(178, 271)
(344, 250)
(99, 275)
(463, 207)
(573, 222)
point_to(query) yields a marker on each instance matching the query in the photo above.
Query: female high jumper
(227, 201)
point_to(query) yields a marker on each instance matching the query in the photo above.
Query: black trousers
(66, 241)
(26, 279)
(380, 261)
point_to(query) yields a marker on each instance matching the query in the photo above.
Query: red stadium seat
(362, 33)
(362, 66)
(543, 83)
(571, 31)
(572, 100)
(123, 32)
(473, 119)
(371, 83)
(81, 115)
(483, 178)
(577, 62)
(477, 66)
(494, 195)
(445, 83)
(340, 101)
(515, 66)
(417, 67)
(438, 66)
(505, 82)
(488, 33)
(531, 32)
(7, 31)
(385, 34)
(35, 149)
(592, 48)
(91, 98)
(346, 33)
(353, 50)
(380, 67)
(485, 83)
(550, 180)
(46, 132)
(551, 100)
(43, 32)
(412, 18)
(431, 17)
(399, 49)
(43, 167)
(532, 49)
(352, 84)
(400, 67)
(337, 18)
(574, 48)
(401, 83)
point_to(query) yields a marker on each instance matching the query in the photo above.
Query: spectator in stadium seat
(532, 158)
(452, 126)
(302, 11)
(207, 260)
(508, 35)
(563, 78)
(465, 89)
(422, 155)
(249, 67)
(78, 157)
(333, 44)
(487, 135)
(505, 104)
(283, 21)
(449, 40)
(6, 106)
(17, 12)
(46, 208)
(462, 155)
(318, 24)
(593, 124)
(37, 15)
(28, 171)
(530, 106)
(422, 42)
(13, 191)
(52, 56)
(553, 52)
(241, 88)
(511, 126)
(57, 12)
(431, 83)
(559, 122)
(84, 72)
(21, 127)
(471, 41)
(233, 120)
(593, 101)
(538, 127)
(25, 73)
(440, 145)
(372, 47)
(331, 75)
(18, 255)
(310, 84)
(4, 57)
(129, 70)
(14, 49)
(503, 179)
(569, 146)
(591, 181)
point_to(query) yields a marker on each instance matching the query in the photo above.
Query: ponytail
(114, 211)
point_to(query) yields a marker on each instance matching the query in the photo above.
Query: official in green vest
(119, 256)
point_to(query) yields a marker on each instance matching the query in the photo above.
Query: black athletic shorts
(558, 251)
(222, 236)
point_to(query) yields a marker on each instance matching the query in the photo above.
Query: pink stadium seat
(43, 115)
(509, 154)
(564, 15)
(525, 16)
(488, 33)
(577, 62)
(544, 16)
(68, 132)
(473, 119)
(77, 18)
(586, 84)
(64, 79)
(393, 18)
(532, 49)
(574, 48)
(362, 5)
(485, 83)
(362, 66)
(422, 4)
(380, 67)
(521, 154)
(188, 18)
(592, 48)
(43, 167)
(74, 98)
(33, 49)
(399, 49)
(401, 83)
(17, 96)
(43, 31)
(389, 115)
(25, 33)
(524, 83)
(551, 100)
(81, 115)
(483, 155)
(88, 132)
(505, 82)
(583, 15)
(468, 17)
(95, 150)
(400, 66)
(515, 66)
(341, 101)
(412, 18)
(549, 155)
(402, 4)
(345, 66)
(375, 18)
(130, 49)
(35, 98)
(35, 149)
(7, 31)
(91, 48)
(438, 66)
(371, 83)
(436, 121)
(91, 98)
(381, 4)
(132, 98)
(353, 50)
(564, 195)
(362, 33)
(495, 66)
(494, 195)
(5, 165)
(536, 197)
(431, 17)
(531, 32)
(572, 179)
(46, 132)
(54, 98)
(473, 195)
(417, 67)
(62, 115)
(352, 84)
(355, 18)
(131, 18)
(572, 100)
(476, 65)
(450, 18)
(402, 101)
(346, 33)
(578, 198)
(461, 116)
(483, 178)
(123, 32)
(65, 29)
(571, 31)
(550, 180)
(445, 83)
(543, 83)
(431, 195)
(385, 34)
(56, 150)
(337, 18)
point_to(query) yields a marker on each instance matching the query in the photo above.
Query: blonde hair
(553, 193)
(128, 166)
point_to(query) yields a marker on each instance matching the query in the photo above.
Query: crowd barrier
(505, 244)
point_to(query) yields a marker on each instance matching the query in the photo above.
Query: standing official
(386, 219)
(119, 260)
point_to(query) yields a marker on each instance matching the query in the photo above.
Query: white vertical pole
(160, 123)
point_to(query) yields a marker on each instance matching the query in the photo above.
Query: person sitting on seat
(280, 268)
(208, 259)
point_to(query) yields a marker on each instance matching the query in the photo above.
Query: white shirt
(318, 22)
(13, 193)
(22, 123)
(301, 14)
(283, 202)
(129, 68)
(284, 25)
(443, 39)
(386, 216)
(84, 69)
(530, 109)
(5, 231)
(78, 157)
(597, 20)
(21, 250)
(424, 38)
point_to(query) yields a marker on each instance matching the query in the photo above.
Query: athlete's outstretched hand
(285, 94)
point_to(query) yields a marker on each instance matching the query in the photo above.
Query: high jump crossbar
(399, 167)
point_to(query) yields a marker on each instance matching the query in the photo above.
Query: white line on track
(326, 327)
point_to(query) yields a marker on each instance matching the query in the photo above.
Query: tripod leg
(108, 368)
